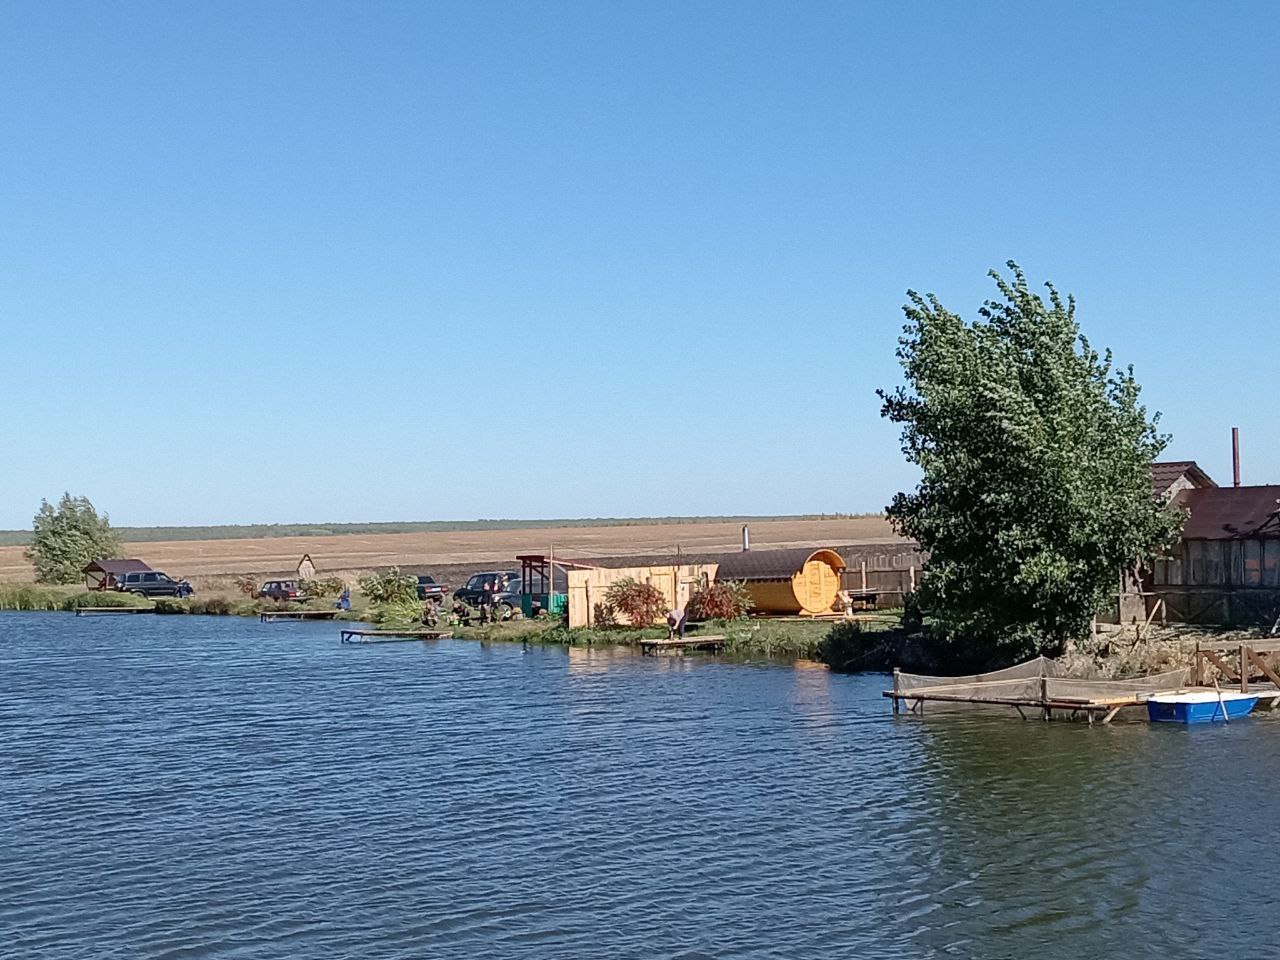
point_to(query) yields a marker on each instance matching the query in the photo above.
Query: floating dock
(271, 616)
(711, 642)
(392, 636)
(99, 611)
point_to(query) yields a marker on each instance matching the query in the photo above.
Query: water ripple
(198, 787)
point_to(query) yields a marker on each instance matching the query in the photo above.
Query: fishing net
(1036, 680)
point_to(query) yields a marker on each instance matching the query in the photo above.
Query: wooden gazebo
(103, 574)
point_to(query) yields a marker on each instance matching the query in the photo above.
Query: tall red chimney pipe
(1235, 455)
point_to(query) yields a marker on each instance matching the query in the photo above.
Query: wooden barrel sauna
(803, 581)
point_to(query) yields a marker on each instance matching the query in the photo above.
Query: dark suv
(153, 583)
(498, 581)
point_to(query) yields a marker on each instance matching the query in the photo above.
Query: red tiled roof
(1165, 475)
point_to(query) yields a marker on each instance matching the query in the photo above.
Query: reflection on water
(203, 787)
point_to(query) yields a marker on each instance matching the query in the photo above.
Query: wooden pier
(392, 636)
(98, 611)
(710, 642)
(271, 616)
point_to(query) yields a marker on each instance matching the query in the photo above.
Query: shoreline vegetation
(267, 531)
(876, 642)
(833, 642)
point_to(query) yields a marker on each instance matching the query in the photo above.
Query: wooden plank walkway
(271, 616)
(712, 642)
(392, 636)
(97, 611)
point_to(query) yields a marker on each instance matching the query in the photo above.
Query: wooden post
(912, 571)
(864, 576)
(1264, 667)
(1044, 696)
(1197, 675)
(1244, 669)
(895, 690)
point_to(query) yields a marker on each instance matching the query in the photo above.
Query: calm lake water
(200, 787)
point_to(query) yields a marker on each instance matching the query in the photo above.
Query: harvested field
(210, 560)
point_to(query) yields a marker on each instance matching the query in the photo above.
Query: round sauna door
(816, 586)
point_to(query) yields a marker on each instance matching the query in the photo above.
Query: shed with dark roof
(1226, 569)
(803, 580)
(102, 574)
(1230, 513)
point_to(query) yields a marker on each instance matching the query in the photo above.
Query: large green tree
(1035, 455)
(67, 537)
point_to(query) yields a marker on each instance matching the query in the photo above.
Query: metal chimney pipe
(746, 538)
(1235, 455)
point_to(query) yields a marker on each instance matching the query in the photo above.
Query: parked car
(428, 589)
(153, 583)
(496, 580)
(281, 590)
(507, 600)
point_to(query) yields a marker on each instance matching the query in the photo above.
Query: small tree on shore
(1036, 460)
(67, 537)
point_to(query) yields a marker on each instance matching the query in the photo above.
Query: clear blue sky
(305, 262)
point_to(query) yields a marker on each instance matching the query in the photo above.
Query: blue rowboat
(1199, 706)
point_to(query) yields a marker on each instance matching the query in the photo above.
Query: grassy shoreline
(772, 639)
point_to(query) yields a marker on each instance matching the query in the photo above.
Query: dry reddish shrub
(641, 603)
(722, 600)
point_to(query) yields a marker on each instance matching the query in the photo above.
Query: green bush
(590, 636)
(850, 648)
(108, 598)
(330, 587)
(26, 596)
(170, 605)
(397, 614)
(912, 615)
(213, 606)
(390, 587)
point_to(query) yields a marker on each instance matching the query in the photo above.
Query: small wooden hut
(801, 581)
